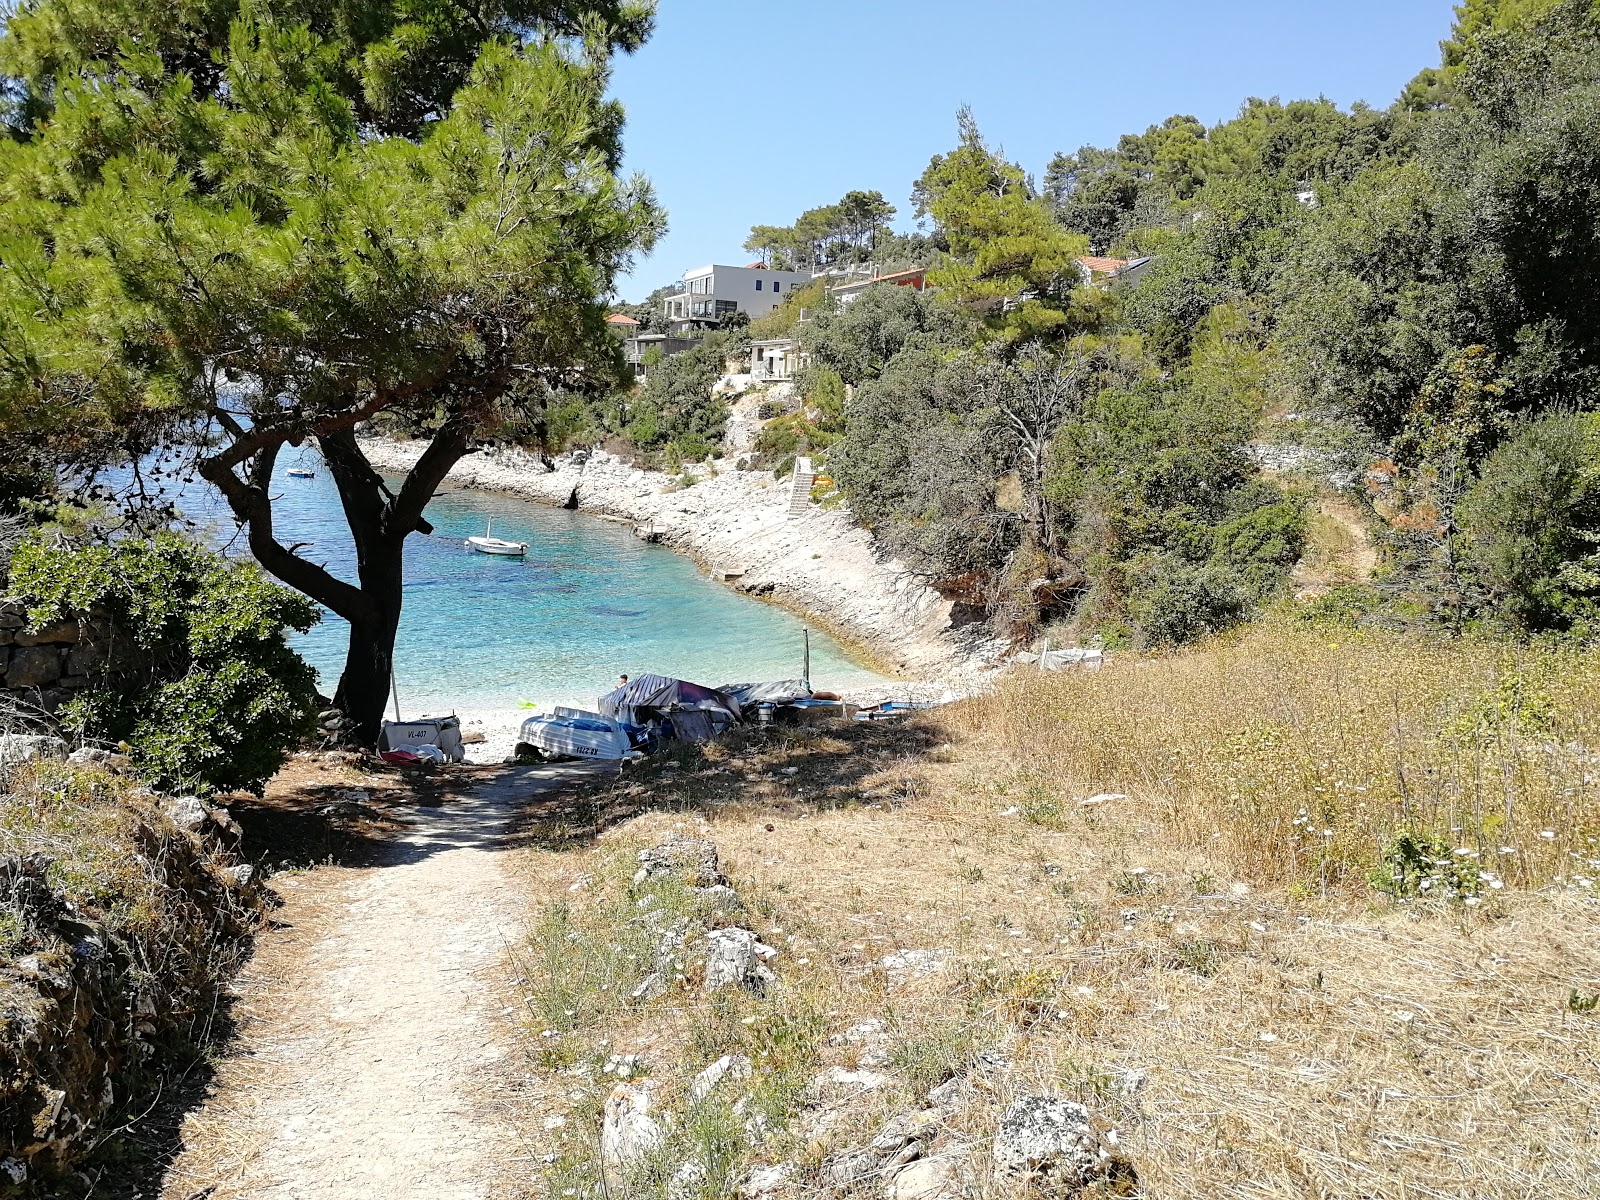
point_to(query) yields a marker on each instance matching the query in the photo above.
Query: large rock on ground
(735, 958)
(25, 747)
(1050, 1141)
(628, 1131)
(693, 860)
(943, 1178)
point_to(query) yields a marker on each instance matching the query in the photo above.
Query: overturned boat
(574, 733)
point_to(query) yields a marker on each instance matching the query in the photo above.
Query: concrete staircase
(800, 487)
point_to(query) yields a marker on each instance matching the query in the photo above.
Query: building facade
(709, 294)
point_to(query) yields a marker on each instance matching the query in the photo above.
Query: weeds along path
(370, 1043)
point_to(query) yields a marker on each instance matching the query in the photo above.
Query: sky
(746, 112)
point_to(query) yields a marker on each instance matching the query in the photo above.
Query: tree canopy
(235, 227)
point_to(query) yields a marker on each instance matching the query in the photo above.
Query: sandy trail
(372, 1030)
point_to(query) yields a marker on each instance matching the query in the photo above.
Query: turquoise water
(590, 601)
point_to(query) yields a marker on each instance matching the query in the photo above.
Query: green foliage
(1008, 256)
(1531, 523)
(857, 340)
(232, 227)
(782, 321)
(1177, 536)
(221, 698)
(675, 419)
(835, 233)
(1415, 865)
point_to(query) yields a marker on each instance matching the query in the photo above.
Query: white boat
(574, 733)
(300, 473)
(489, 544)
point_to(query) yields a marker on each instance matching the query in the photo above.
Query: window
(758, 285)
(776, 286)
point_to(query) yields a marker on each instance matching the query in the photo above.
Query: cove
(589, 602)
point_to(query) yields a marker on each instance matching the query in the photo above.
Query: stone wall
(46, 667)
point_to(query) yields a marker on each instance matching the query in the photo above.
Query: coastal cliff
(737, 525)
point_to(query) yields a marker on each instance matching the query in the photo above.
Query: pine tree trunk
(368, 674)
(379, 522)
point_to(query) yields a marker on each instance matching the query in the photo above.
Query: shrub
(219, 698)
(1172, 601)
(1413, 864)
(1532, 524)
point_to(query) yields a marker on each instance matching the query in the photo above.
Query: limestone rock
(871, 1039)
(720, 898)
(734, 958)
(628, 1132)
(686, 1181)
(942, 1178)
(90, 755)
(729, 1066)
(187, 812)
(763, 1181)
(906, 965)
(694, 860)
(25, 747)
(1050, 1141)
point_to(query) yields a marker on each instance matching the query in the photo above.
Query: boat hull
(575, 737)
(505, 549)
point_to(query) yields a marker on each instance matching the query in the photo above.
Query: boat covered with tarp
(779, 691)
(575, 733)
(673, 709)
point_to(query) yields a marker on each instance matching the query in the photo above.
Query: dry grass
(1296, 1032)
(1296, 756)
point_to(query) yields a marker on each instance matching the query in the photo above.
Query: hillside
(1318, 930)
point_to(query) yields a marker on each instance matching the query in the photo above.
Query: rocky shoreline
(737, 526)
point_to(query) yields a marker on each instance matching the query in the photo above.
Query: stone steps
(800, 487)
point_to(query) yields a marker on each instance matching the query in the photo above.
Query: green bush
(218, 697)
(1172, 601)
(1532, 524)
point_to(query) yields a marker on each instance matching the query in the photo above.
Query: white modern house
(774, 360)
(708, 294)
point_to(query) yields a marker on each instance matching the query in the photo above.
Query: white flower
(1548, 835)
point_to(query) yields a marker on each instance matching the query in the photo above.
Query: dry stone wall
(46, 667)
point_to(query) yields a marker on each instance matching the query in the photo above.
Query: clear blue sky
(746, 112)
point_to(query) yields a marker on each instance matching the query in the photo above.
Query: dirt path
(371, 1028)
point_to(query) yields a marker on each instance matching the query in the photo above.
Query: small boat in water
(489, 544)
(573, 733)
(300, 473)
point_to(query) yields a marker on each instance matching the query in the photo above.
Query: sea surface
(589, 602)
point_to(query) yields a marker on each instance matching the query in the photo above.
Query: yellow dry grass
(1210, 974)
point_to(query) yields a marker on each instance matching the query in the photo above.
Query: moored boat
(489, 544)
(300, 473)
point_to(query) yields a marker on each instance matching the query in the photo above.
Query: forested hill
(1397, 303)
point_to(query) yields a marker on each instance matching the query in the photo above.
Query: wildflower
(1548, 835)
